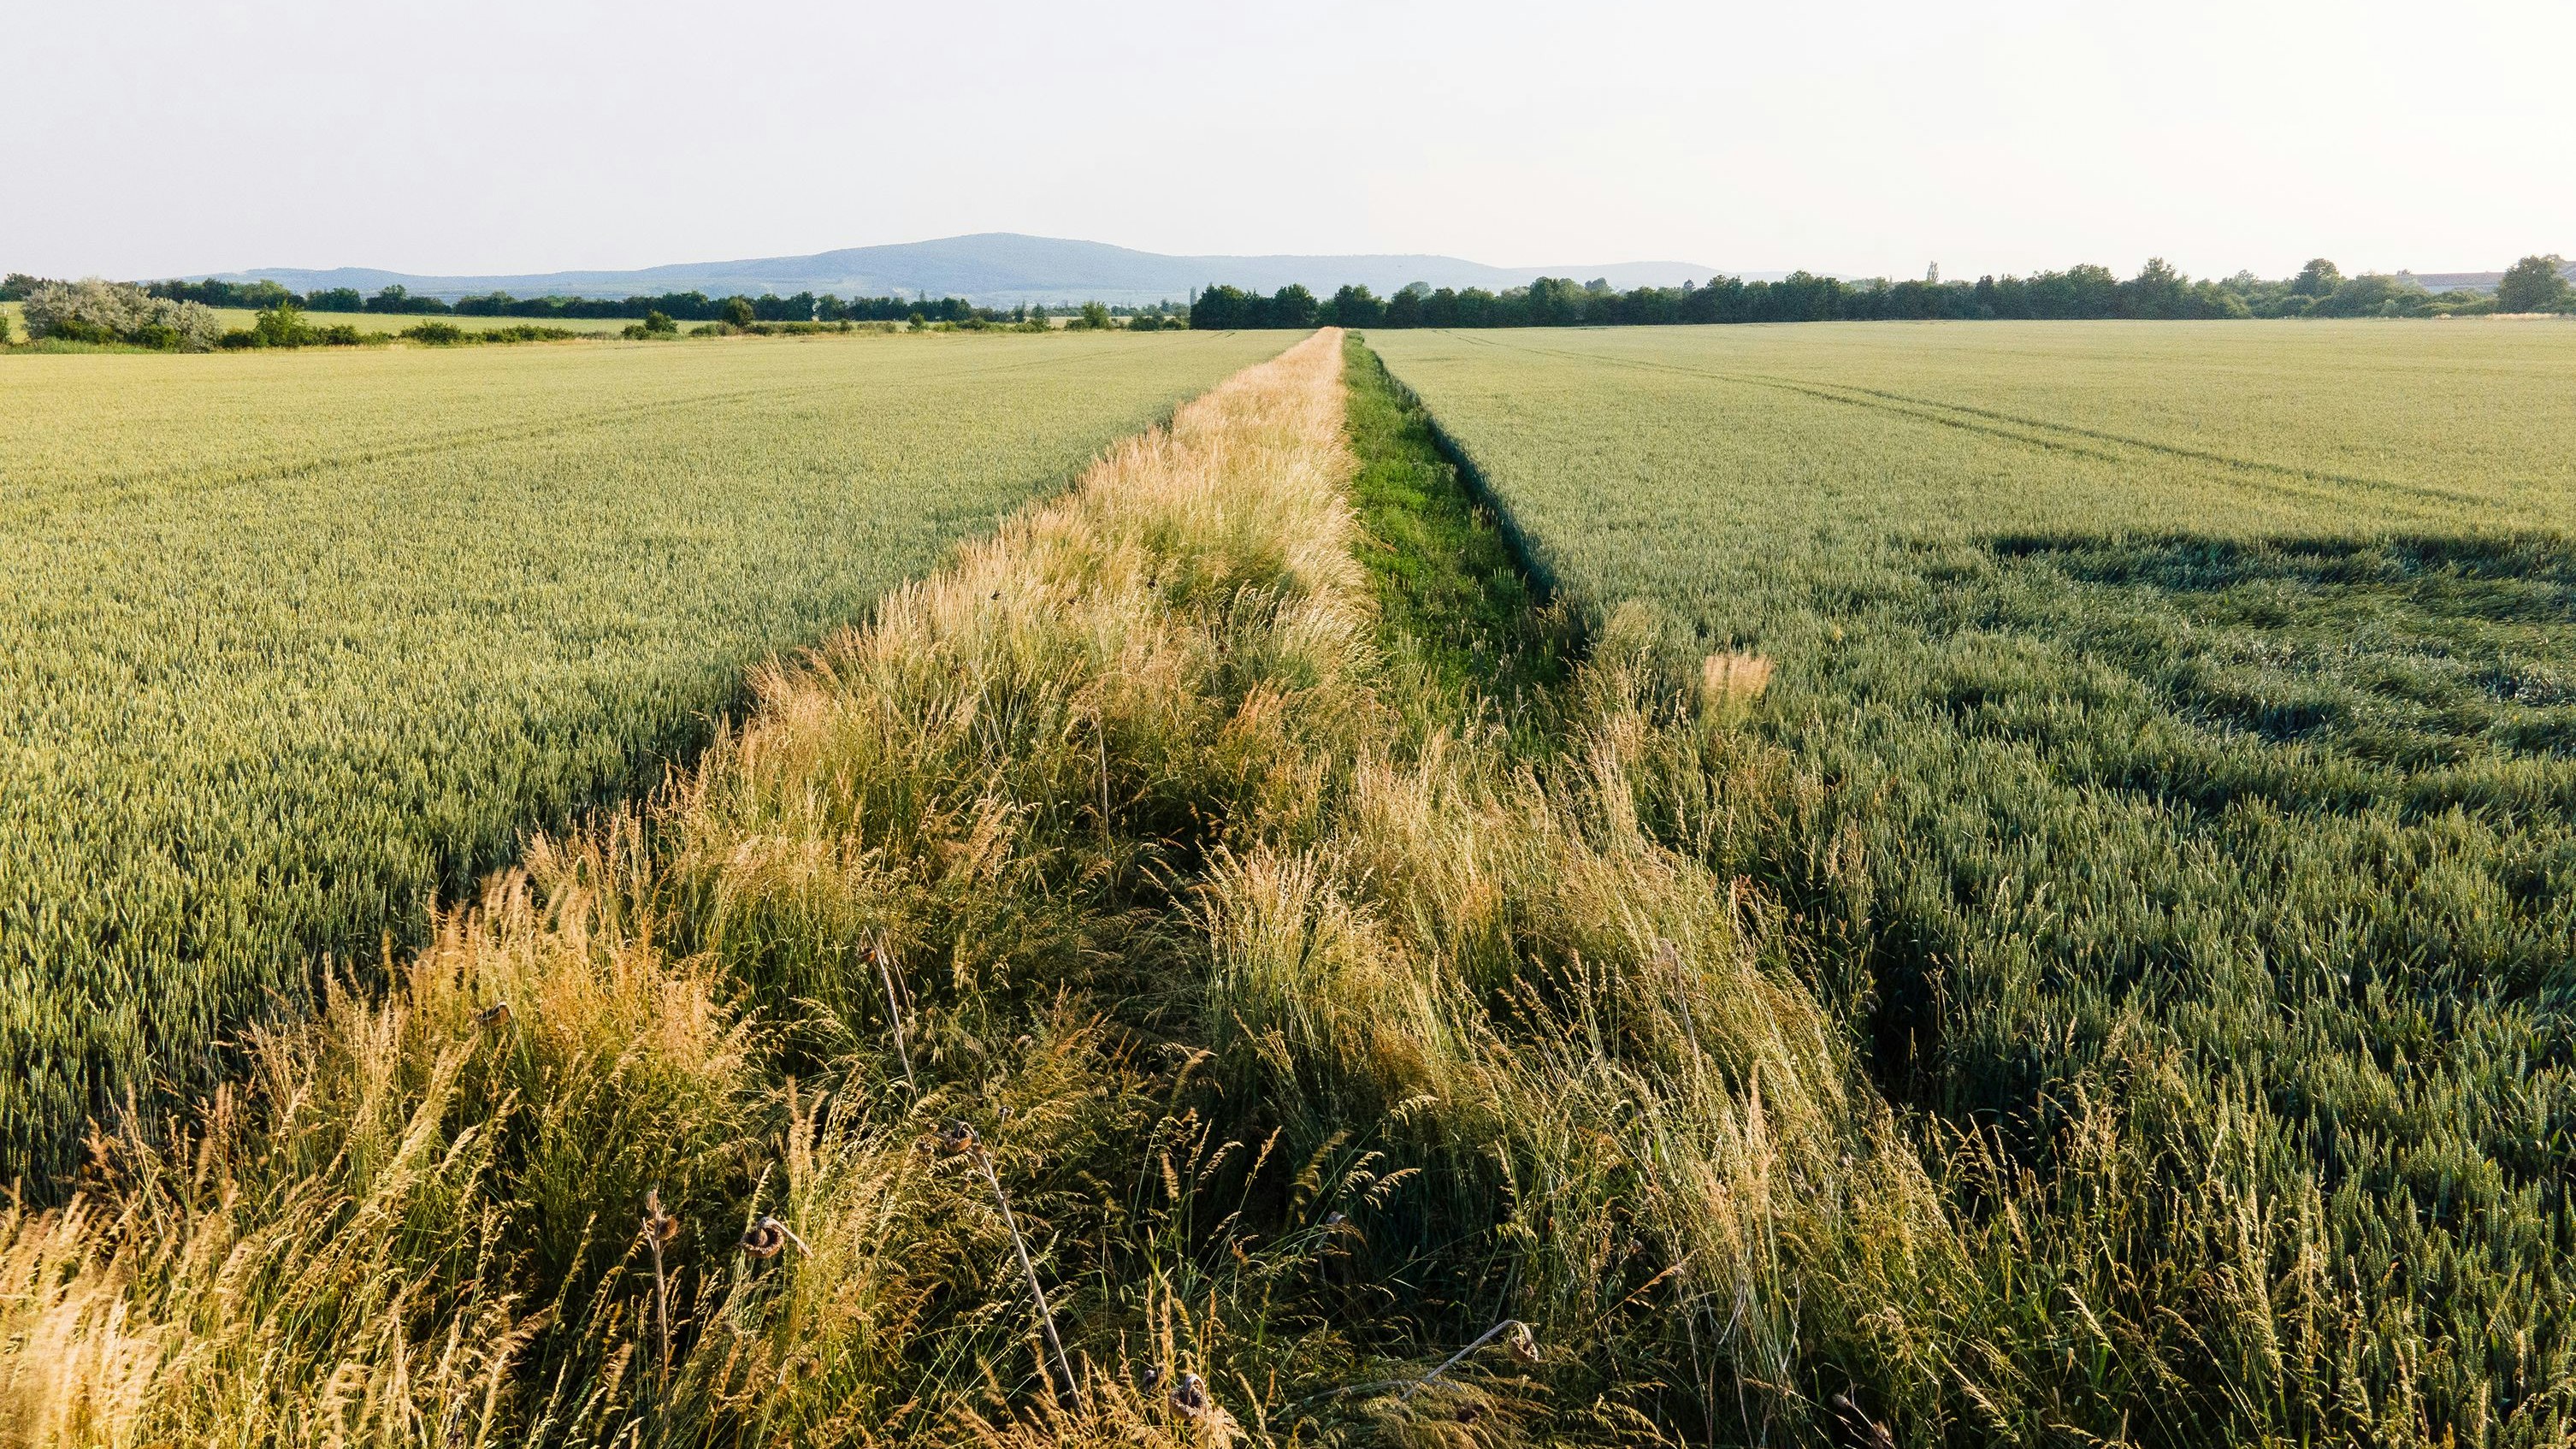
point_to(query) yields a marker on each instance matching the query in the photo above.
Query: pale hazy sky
(152, 137)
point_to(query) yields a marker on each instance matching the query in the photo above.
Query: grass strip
(1454, 603)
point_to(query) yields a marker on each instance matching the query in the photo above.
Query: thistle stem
(662, 1308)
(894, 1014)
(1454, 1359)
(1067, 1388)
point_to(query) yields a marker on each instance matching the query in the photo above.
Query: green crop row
(295, 643)
(2188, 840)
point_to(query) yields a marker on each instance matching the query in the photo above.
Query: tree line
(180, 315)
(692, 306)
(2158, 292)
(695, 306)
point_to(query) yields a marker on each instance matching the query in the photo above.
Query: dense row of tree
(96, 311)
(693, 306)
(1229, 309)
(699, 307)
(690, 306)
(2158, 291)
(2535, 284)
(122, 313)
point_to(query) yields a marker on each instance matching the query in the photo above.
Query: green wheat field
(2188, 720)
(1848, 886)
(296, 644)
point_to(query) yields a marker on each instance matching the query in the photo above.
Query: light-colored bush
(92, 310)
(84, 310)
(193, 325)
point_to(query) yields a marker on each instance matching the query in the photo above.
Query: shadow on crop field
(2193, 850)
(2413, 653)
(2328, 755)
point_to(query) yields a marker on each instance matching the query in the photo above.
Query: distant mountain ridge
(995, 269)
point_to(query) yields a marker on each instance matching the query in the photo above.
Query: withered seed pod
(658, 1226)
(763, 1239)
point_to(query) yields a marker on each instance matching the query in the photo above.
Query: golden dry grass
(415, 1204)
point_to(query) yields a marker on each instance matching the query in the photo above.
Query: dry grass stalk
(1732, 678)
(958, 1137)
(658, 1228)
(1515, 1335)
(882, 955)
